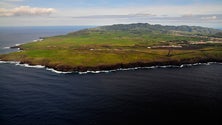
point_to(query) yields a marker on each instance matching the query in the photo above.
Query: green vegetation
(121, 46)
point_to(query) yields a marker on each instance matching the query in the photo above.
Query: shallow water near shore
(35, 96)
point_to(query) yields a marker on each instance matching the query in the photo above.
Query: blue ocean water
(10, 36)
(30, 96)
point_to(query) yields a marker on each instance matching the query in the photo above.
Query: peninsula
(122, 46)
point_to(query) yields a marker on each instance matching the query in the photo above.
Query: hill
(159, 28)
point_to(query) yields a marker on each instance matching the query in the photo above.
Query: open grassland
(93, 48)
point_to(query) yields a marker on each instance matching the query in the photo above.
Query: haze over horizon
(206, 13)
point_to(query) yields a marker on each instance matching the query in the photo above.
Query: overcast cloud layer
(99, 12)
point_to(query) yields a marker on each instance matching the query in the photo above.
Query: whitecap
(151, 67)
(17, 44)
(37, 40)
(7, 47)
(126, 69)
(3, 61)
(96, 72)
(31, 66)
(209, 63)
(10, 62)
(13, 62)
(81, 73)
(56, 71)
(167, 66)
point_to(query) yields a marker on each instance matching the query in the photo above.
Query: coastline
(117, 67)
(70, 69)
(102, 49)
(64, 69)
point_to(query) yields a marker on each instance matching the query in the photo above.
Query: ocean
(161, 95)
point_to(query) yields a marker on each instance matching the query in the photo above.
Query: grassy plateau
(122, 46)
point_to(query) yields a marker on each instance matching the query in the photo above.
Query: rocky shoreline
(66, 68)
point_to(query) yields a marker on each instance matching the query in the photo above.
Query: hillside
(159, 28)
(122, 46)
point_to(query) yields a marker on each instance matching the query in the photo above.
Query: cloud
(122, 16)
(10, 3)
(209, 18)
(187, 15)
(26, 11)
(143, 10)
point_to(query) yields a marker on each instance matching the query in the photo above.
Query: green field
(107, 47)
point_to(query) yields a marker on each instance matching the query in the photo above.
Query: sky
(206, 13)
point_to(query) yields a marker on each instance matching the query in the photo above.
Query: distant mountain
(145, 27)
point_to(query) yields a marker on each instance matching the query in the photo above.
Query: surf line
(104, 71)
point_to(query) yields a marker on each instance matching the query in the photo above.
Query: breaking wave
(56, 71)
(30, 66)
(6, 47)
(9, 62)
(37, 40)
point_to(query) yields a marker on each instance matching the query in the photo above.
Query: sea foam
(30, 66)
(10, 62)
(96, 72)
(6, 47)
(18, 44)
(37, 40)
(2, 62)
(56, 71)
